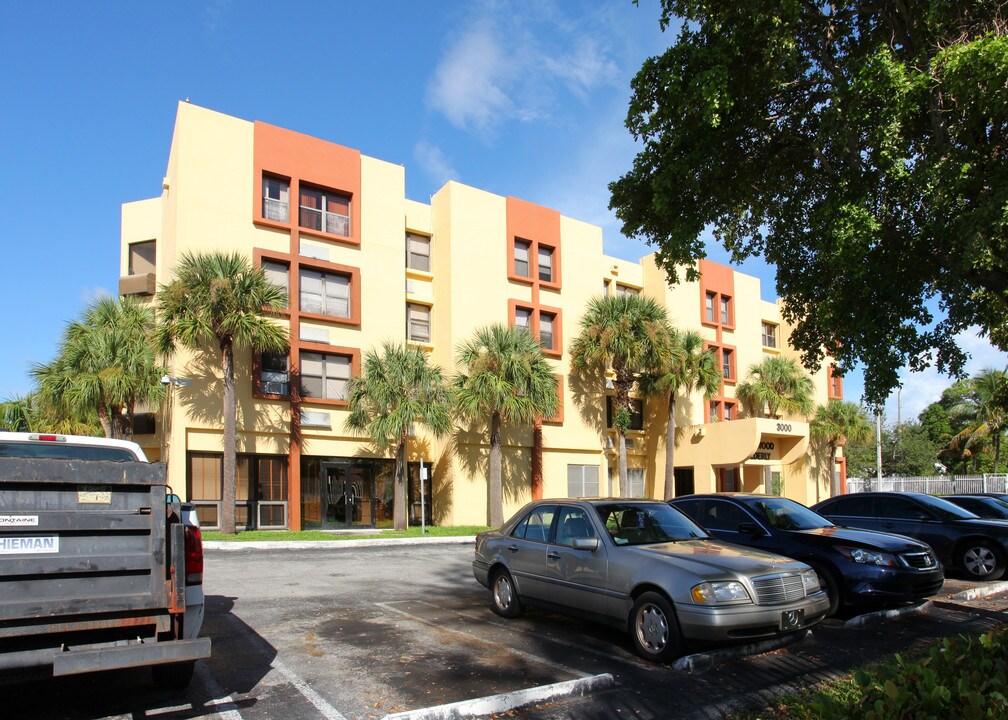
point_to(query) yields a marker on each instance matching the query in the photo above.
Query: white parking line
(327, 711)
(210, 683)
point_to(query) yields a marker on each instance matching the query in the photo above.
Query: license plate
(792, 619)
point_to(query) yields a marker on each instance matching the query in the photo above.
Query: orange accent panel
(834, 384)
(301, 158)
(718, 279)
(536, 225)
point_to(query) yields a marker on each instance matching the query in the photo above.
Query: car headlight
(720, 593)
(868, 557)
(810, 579)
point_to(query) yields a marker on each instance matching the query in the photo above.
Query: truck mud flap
(73, 662)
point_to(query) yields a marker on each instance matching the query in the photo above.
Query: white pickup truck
(101, 566)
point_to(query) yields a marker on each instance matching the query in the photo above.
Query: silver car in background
(646, 568)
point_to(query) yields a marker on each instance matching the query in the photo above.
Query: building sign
(766, 451)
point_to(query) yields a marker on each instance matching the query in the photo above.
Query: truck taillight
(193, 555)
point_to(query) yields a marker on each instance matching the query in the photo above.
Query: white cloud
(93, 293)
(434, 163)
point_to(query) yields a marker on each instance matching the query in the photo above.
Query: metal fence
(933, 485)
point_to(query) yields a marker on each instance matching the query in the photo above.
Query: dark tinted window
(901, 509)
(721, 515)
(943, 508)
(536, 525)
(691, 508)
(62, 451)
(851, 506)
(785, 514)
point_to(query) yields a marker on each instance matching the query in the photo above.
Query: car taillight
(193, 555)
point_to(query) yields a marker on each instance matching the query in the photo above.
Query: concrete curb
(505, 702)
(702, 662)
(880, 616)
(333, 544)
(981, 592)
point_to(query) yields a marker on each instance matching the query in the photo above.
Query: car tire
(504, 595)
(831, 584)
(654, 629)
(173, 676)
(981, 560)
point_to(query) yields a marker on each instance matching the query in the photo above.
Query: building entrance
(339, 493)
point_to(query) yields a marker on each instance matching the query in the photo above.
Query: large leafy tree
(215, 304)
(987, 407)
(106, 365)
(398, 389)
(689, 367)
(837, 423)
(503, 376)
(862, 148)
(629, 335)
(777, 386)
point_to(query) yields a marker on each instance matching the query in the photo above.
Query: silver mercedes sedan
(647, 568)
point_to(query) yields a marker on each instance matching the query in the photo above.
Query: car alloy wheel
(981, 561)
(653, 628)
(505, 600)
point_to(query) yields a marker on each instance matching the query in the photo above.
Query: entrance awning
(751, 442)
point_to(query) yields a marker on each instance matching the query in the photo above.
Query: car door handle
(513, 548)
(553, 555)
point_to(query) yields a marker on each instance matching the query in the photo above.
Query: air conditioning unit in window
(272, 387)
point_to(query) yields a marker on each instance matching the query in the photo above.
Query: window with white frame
(725, 310)
(726, 364)
(276, 199)
(635, 483)
(274, 378)
(418, 322)
(547, 322)
(277, 273)
(582, 481)
(324, 210)
(418, 252)
(769, 335)
(709, 300)
(523, 318)
(546, 264)
(521, 258)
(325, 376)
(325, 293)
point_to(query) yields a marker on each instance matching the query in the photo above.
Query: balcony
(142, 284)
(327, 222)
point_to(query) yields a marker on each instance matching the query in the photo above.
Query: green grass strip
(336, 536)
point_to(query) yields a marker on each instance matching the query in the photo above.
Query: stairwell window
(324, 211)
(418, 252)
(276, 199)
(418, 322)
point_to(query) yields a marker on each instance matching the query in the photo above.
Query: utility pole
(878, 448)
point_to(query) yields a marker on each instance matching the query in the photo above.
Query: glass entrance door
(346, 494)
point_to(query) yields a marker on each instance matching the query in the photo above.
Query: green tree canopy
(777, 386)
(397, 389)
(503, 376)
(862, 148)
(215, 304)
(628, 334)
(986, 406)
(837, 423)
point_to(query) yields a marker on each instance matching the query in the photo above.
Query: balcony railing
(327, 222)
(276, 210)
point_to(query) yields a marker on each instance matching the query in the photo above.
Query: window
(709, 300)
(573, 524)
(325, 293)
(582, 481)
(417, 252)
(274, 378)
(523, 318)
(728, 480)
(418, 322)
(546, 264)
(536, 525)
(725, 310)
(715, 414)
(899, 508)
(278, 274)
(726, 364)
(769, 335)
(626, 290)
(720, 515)
(636, 412)
(730, 411)
(851, 506)
(546, 321)
(635, 483)
(324, 211)
(276, 199)
(325, 376)
(521, 258)
(141, 257)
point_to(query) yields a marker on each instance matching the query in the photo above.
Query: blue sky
(518, 98)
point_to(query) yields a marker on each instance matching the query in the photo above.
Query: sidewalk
(234, 545)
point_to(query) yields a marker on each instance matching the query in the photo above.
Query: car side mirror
(748, 528)
(586, 543)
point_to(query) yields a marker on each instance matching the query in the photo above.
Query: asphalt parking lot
(366, 633)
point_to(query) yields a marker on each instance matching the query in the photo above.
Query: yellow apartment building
(362, 264)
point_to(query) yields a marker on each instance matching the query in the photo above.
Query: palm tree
(505, 377)
(779, 386)
(628, 334)
(986, 404)
(217, 301)
(690, 367)
(18, 414)
(839, 422)
(397, 389)
(106, 365)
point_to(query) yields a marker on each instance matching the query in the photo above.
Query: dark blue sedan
(858, 568)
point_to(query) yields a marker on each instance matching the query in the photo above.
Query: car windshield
(646, 523)
(944, 509)
(784, 514)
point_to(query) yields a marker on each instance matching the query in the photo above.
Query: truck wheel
(173, 676)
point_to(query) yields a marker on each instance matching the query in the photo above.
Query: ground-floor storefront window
(260, 495)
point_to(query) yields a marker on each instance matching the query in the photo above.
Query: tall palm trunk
(227, 519)
(670, 431)
(399, 493)
(496, 486)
